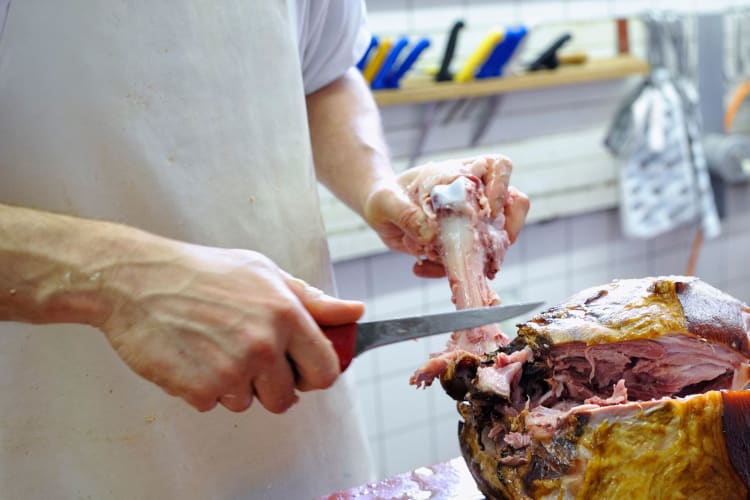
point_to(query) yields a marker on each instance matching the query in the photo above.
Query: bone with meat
(467, 204)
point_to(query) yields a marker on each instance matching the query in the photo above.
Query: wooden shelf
(595, 70)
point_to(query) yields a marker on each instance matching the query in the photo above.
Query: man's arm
(206, 324)
(44, 277)
(347, 141)
(351, 159)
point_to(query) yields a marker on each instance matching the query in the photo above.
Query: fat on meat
(466, 202)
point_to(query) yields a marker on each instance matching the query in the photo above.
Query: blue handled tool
(503, 52)
(379, 81)
(363, 62)
(393, 79)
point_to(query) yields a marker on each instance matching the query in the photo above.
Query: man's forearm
(351, 156)
(56, 268)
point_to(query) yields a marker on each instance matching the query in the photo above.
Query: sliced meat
(671, 364)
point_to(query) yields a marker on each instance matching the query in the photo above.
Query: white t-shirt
(186, 119)
(332, 34)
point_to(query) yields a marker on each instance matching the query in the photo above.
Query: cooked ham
(619, 395)
(653, 368)
(498, 380)
(517, 440)
(504, 373)
(598, 396)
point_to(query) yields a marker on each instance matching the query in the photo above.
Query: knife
(444, 74)
(479, 56)
(393, 79)
(548, 58)
(352, 339)
(370, 49)
(378, 82)
(506, 50)
(375, 62)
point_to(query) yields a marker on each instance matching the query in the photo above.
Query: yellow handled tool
(376, 63)
(479, 56)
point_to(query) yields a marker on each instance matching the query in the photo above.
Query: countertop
(444, 481)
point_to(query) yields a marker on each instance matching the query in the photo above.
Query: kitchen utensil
(376, 61)
(503, 52)
(379, 81)
(479, 56)
(548, 58)
(393, 79)
(353, 339)
(444, 74)
(372, 46)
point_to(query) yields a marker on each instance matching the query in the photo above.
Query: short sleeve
(333, 37)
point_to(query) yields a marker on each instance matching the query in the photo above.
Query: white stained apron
(186, 119)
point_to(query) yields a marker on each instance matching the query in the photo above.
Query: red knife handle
(343, 338)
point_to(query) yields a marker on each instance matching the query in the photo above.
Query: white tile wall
(547, 133)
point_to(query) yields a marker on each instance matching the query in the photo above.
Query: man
(185, 120)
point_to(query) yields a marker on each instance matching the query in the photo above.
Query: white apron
(186, 119)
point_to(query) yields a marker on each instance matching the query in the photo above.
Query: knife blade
(352, 339)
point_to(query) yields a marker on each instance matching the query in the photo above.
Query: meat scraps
(633, 389)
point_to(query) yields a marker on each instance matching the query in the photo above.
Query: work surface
(448, 480)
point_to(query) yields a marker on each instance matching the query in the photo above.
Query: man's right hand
(205, 324)
(210, 325)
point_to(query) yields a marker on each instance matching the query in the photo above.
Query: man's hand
(401, 215)
(205, 324)
(399, 221)
(212, 325)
